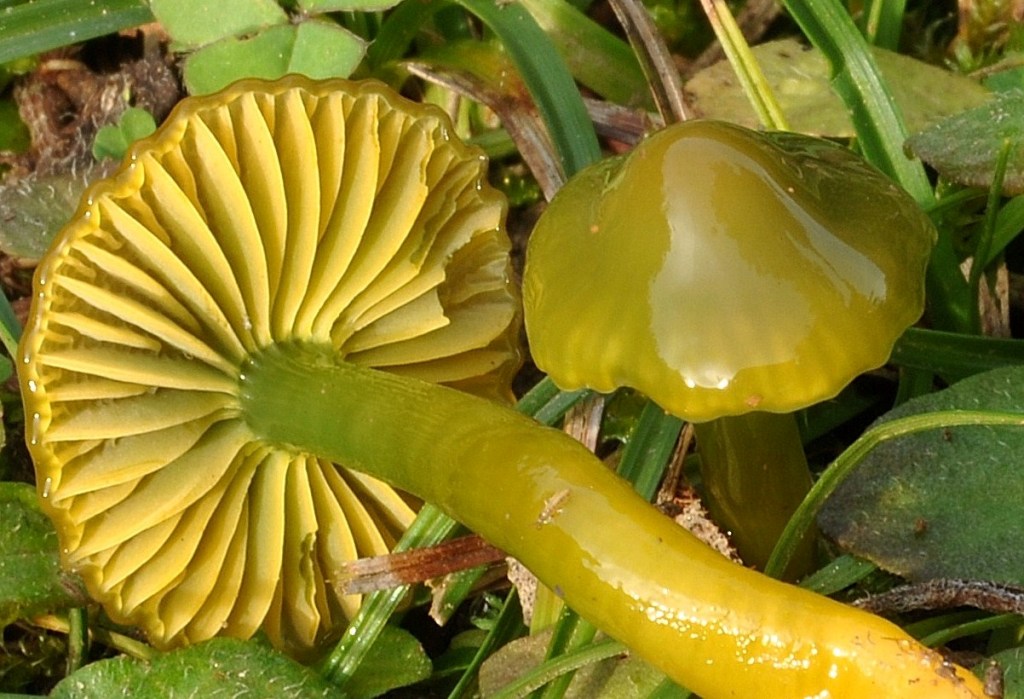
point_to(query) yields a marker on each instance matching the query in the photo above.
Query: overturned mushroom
(333, 215)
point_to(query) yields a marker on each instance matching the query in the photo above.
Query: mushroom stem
(755, 475)
(717, 628)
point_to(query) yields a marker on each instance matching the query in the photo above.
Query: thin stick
(946, 593)
(415, 565)
(655, 59)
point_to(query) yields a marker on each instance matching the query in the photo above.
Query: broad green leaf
(34, 27)
(315, 6)
(799, 77)
(33, 209)
(1011, 662)
(112, 140)
(609, 677)
(317, 49)
(1011, 78)
(632, 677)
(396, 660)
(194, 23)
(964, 147)
(31, 578)
(325, 50)
(941, 503)
(222, 668)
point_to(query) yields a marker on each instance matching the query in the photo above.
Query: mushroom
(734, 277)
(196, 367)
(331, 215)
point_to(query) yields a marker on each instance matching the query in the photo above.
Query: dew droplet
(47, 484)
(32, 385)
(35, 429)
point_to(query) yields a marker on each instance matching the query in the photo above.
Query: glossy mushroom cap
(328, 214)
(721, 270)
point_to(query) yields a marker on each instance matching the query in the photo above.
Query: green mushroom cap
(721, 270)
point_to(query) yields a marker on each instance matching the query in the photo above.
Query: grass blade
(39, 26)
(547, 78)
(883, 22)
(430, 527)
(747, 69)
(954, 356)
(10, 328)
(881, 133)
(646, 455)
(856, 78)
(551, 669)
(509, 625)
(598, 58)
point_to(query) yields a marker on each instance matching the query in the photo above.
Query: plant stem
(748, 70)
(655, 59)
(720, 629)
(755, 475)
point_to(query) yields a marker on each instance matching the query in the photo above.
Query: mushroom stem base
(755, 475)
(713, 626)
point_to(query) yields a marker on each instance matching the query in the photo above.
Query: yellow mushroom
(734, 277)
(202, 379)
(330, 214)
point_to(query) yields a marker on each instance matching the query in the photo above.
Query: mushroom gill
(329, 214)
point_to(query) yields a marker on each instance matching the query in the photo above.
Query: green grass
(563, 52)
